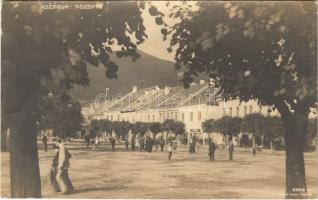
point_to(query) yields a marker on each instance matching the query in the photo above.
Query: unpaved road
(121, 174)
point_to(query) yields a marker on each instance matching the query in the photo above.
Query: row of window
(162, 117)
(174, 115)
(250, 110)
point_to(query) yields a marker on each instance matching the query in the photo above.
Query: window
(117, 117)
(191, 116)
(171, 115)
(107, 117)
(199, 115)
(148, 118)
(163, 116)
(160, 117)
(176, 115)
(237, 111)
(134, 120)
(182, 116)
(245, 110)
(111, 118)
(230, 111)
(153, 118)
(251, 109)
(168, 116)
(224, 111)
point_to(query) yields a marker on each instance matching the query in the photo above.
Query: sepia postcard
(159, 99)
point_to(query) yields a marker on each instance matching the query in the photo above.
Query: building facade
(191, 106)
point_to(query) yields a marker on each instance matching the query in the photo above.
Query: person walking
(141, 143)
(156, 143)
(150, 144)
(87, 140)
(44, 140)
(95, 143)
(133, 142)
(54, 169)
(169, 149)
(161, 143)
(192, 144)
(126, 143)
(231, 150)
(62, 176)
(211, 149)
(112, 141)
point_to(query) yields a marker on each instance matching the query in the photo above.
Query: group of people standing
(59, 176)
(212, 148)
(143, 143)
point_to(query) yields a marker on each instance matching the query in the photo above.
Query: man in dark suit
(211, 149)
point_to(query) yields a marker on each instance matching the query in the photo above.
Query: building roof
(165, 98)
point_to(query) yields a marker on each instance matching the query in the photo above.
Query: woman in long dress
(54, 169)
(62, 176)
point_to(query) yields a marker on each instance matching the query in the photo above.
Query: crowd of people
(146, 143)
(59, 176)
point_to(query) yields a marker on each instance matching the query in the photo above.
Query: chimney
(167, 90)
(134, 89)
(202, 82)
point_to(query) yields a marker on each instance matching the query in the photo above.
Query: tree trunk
(295, 127)
(4, 139)
(24, 162)
(295, 131)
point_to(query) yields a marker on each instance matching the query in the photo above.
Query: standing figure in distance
(87, 140)
(133, 142)
(231, 149)
(44, 140)
(62, 176)
(54, 169)
(169, 148)
(112, 141)
(211, 149)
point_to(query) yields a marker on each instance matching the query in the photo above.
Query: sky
(155, 45)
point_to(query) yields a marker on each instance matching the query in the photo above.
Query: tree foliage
(229, 125)
(208, 126)
(257, 124)
(141, 127)
(173, 126)
(255, 50)
(155, 127)
(46, 50)
(121, 128)
(274, 56)
(254, 123)
(62, 116)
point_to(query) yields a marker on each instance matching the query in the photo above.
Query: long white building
(191, 106)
